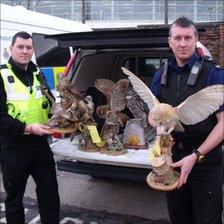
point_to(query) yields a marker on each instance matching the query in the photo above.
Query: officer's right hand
(38, 129)
(186, 164)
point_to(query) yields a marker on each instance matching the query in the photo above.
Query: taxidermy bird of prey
(114, 92)
(116, 102)
(194, 109)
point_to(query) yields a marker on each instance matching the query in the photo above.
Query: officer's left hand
(186, 164)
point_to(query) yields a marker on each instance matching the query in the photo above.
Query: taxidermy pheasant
(194, 109)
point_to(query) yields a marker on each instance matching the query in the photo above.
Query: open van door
(48, 52)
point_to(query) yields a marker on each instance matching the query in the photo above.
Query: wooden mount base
(161, 186)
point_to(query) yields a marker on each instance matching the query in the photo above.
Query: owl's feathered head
(163, 113)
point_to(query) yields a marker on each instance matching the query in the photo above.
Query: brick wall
(221, 50)
(213, 39)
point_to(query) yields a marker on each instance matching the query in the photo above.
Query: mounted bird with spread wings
(194, 109)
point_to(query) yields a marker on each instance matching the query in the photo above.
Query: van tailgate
(69, 151)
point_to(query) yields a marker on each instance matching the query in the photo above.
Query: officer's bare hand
(38, 129)
(186, 164)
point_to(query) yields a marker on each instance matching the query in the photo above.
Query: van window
(152, 61)
(144, 67)
(147, 66)
(130, 64)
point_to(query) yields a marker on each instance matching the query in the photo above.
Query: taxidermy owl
(116, 102)
(73, 107)
(136, 105)
(114, 92)
(194, 109)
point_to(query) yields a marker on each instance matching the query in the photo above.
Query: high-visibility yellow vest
(25, 106)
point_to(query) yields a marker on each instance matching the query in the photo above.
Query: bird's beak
(159, 130)
(170, 130)
(162, 130)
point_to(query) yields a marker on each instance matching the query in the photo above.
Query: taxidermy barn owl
(194, 109)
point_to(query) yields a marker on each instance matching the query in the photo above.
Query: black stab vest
(177, 90)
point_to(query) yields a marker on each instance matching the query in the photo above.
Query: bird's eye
(167, 129)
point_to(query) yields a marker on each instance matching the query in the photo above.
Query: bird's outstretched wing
(200, 105)
(141, 88)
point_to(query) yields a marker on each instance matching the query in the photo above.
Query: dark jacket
(177, 90)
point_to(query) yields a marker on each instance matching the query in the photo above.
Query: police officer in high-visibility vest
(25, 150)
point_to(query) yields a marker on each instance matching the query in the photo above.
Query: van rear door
(109, 39)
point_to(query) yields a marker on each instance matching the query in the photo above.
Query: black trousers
(41, 167)
(199, 201)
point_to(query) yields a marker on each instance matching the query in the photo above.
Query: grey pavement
(107, 196)
(114, 196)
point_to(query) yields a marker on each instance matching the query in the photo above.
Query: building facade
(132, 13)
(127, 13)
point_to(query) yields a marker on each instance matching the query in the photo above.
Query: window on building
(210, 10)
(180, 8)
(99, 10)
(152, 11)
(143, 10)
(160, 10)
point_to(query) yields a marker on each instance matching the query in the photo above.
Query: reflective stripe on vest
(25, 106)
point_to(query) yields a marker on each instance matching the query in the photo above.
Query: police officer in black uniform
(25, 150)
(197, 152)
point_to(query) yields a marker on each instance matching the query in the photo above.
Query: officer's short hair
(21, 34)
(183, 22)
